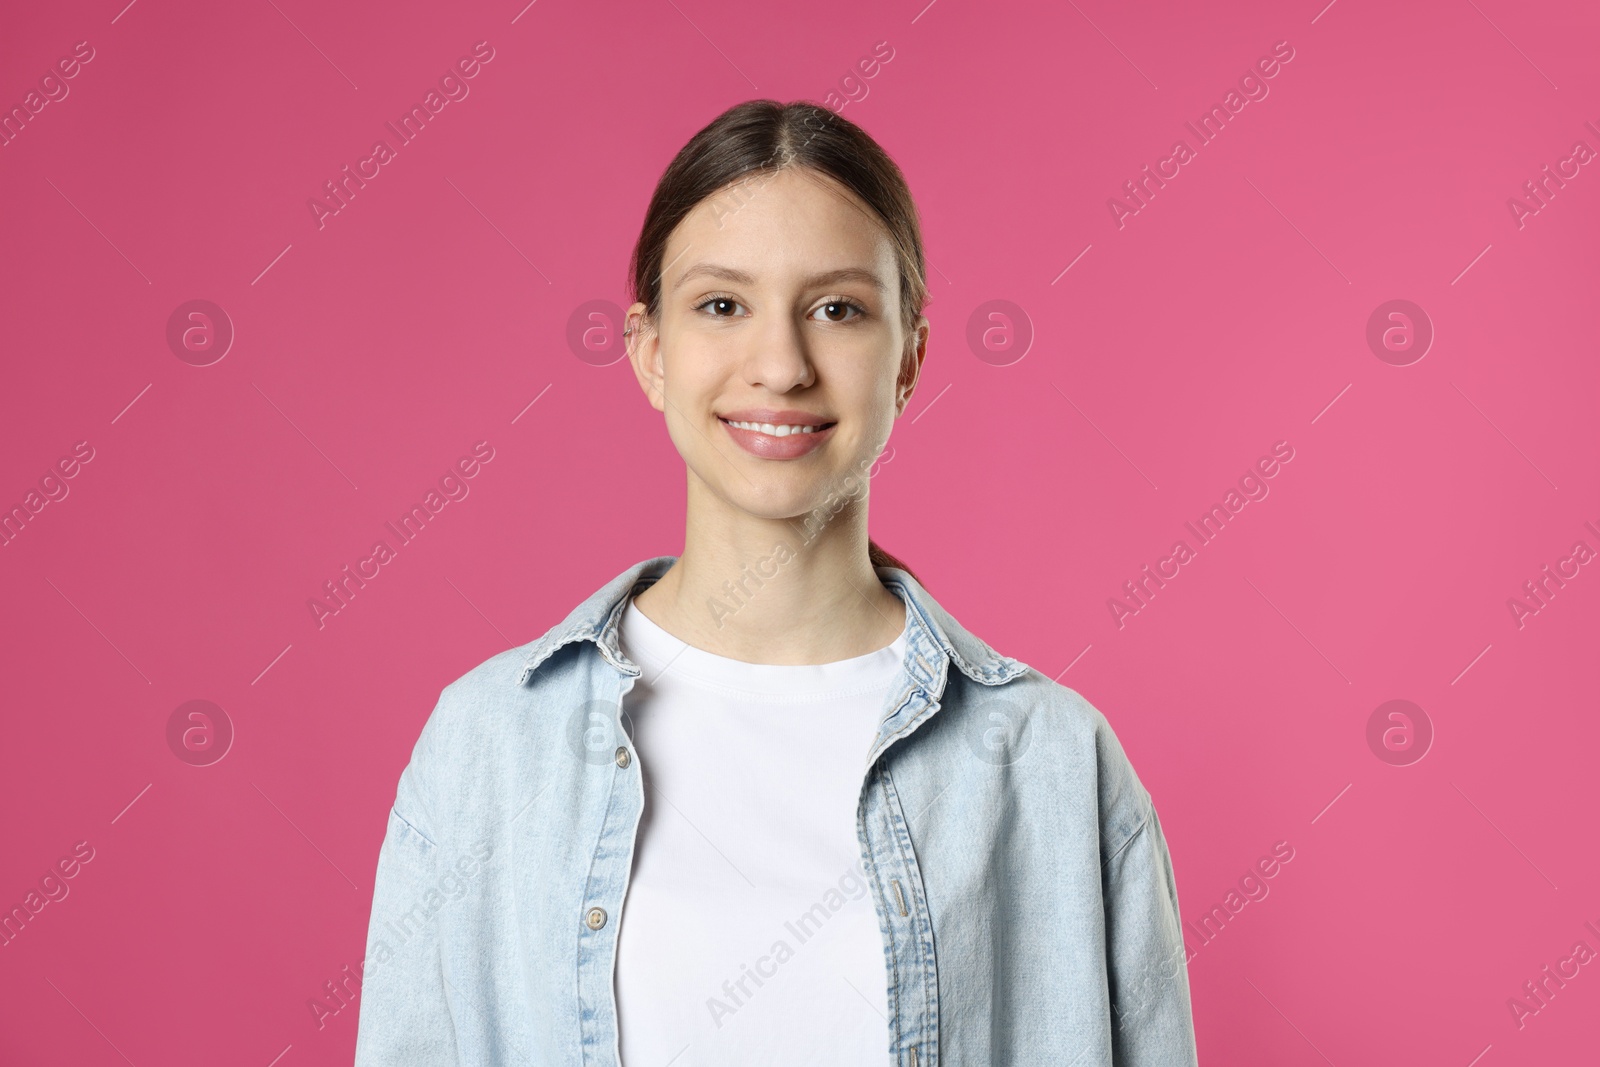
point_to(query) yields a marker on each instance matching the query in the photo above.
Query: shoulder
(487, 691)
(471, 719)
(1049, 737)
(1077, 746)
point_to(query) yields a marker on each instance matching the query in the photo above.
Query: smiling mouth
(776, 429)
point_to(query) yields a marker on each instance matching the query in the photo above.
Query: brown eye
(839, 310)
(718, 305)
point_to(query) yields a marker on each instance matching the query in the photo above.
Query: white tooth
(771, 429)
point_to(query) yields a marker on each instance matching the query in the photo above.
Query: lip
(784, 416)
(792, 446)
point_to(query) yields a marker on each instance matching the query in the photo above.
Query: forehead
(791, 225)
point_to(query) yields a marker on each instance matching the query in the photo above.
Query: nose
(777, 356)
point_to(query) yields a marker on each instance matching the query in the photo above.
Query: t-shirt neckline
(658, 652)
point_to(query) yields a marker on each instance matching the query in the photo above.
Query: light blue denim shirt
(1023, 887)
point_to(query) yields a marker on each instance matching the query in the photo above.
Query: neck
(775, 591)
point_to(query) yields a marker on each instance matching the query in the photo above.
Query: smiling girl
(766, 801)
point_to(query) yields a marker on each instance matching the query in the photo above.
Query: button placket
(914, 996)
(609, 875)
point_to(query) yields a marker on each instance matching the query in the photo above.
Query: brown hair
(766, 136)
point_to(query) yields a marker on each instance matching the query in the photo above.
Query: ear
(911, 365)
(644, 352)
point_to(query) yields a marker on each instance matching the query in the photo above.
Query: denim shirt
(1024, 891)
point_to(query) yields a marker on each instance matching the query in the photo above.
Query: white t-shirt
(748, 935)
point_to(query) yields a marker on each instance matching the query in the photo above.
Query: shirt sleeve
(1146, 961)
(405, 1016)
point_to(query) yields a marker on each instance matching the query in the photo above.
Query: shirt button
(623, 759)
(596, 918)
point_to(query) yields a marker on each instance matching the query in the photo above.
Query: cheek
(686, 405)
(687, 437)
(690, 379)
(873, 395)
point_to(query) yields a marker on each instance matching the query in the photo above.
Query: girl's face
(780, 305)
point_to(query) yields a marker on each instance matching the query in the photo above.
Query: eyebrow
(739, 277)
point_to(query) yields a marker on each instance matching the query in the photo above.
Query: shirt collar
(934, 638)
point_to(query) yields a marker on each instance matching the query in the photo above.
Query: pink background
(1228, 314)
